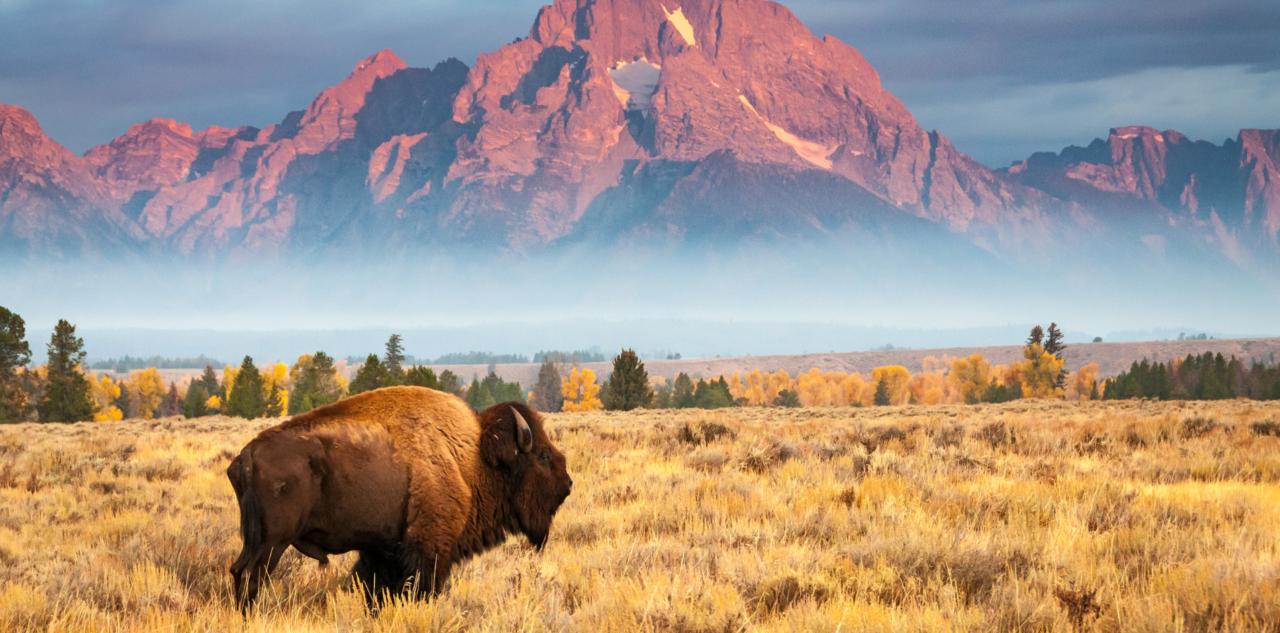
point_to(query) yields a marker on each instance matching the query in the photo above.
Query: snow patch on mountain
(635, 83)
(681, 24)
(815, 153)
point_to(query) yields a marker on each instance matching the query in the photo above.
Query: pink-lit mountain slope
(615, 120)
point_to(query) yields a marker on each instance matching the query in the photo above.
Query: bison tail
(250, 516)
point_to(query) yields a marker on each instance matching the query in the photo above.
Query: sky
(1001, 78)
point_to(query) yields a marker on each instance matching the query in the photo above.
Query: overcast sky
(1001, 78)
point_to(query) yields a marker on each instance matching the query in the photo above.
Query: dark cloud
(980, 70)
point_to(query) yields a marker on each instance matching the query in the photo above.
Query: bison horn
(524, 434)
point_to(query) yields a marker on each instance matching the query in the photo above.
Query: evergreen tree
(996, 393)
(1036, 338)
(449, 383)
(172, 404)
(682, 393)
(194, 405)
(547, 395)
(1054, 345)
(370, 376)
(881, 398)
(66, 397)
(712, 395)
(246, 399)
(393, 362)
(479, 396)
(274, 406)
(628, 387)
(124, 402)
(15, 352)
(662, 397)
(422, 377)
(209, 381)
(790, 399)
(315, 383)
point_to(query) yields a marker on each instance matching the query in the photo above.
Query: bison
(409, 477)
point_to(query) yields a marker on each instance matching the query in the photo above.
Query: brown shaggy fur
(410, 477)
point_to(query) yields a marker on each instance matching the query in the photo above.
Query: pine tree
(194, 405)
(209, 381)
(479, 396)
(628, 386)
(682, 392)
(1055, 346)
(547, 395)
(15, 352)
(247, 399)
(449, 383)
(422, 377)
(1036, 338)
(172, 404)
(315, 380)
(393, 362)
(66, 398)
(790, 399)
(369, 377)
(881, 398)
(124, 402)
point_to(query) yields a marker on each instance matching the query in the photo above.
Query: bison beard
(409, 477)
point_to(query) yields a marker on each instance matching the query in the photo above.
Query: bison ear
(499, 444)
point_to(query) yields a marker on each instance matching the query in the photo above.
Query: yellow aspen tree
(971, 376)
(1040, 373)
(277, 376)
(580, 391)
(147, 389)
(755, 388)
(927, 387)
(1080, 384)
(213, 403)
(777, 382)
(854, 387)
(229, 379)
(895, 378)
(104, 391)
(736, 388)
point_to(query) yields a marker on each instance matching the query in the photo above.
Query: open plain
(1027, 516)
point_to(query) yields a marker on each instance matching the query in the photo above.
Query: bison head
(515, 442)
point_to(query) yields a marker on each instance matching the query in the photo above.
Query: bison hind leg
(381, 574)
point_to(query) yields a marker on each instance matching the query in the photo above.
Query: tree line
(1204, 377)
(64, 390)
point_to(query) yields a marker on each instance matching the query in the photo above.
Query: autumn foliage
(581, 393)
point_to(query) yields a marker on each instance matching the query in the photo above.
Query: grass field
(1130, 516)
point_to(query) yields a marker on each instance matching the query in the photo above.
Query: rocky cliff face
(615, 120)
(1228, 192)
(51, 203)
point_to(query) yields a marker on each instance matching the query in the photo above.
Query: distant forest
(129, 363)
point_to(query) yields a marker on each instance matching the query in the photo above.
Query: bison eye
(544, 457)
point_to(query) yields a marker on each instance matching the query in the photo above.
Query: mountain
(616, 122)
(1230, 193)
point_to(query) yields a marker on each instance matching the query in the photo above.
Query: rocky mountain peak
(331, 117)
(150, 155)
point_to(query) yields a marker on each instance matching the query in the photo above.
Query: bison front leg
(251, 570)
(430, 566)
(379, 574)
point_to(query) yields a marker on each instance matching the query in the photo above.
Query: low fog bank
(652, 339)
(755, 298)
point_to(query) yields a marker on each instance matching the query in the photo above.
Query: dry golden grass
(1027, 516)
